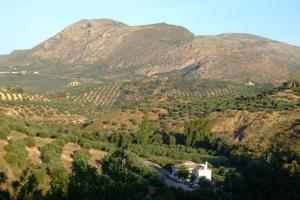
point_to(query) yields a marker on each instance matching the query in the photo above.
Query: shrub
(30, 142)
(81, 155)
(4, 131)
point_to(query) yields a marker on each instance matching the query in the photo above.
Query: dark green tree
(198, 132)
(202, 194)
(183, 173)
(28, 189)
(86, 183)
(146, 129)
(124, 175)
(272, 175)
(3, 178)
(58, 184)
(4, 193)
(192, 177)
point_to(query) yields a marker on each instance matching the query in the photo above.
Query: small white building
(199, 170)
(250, 83)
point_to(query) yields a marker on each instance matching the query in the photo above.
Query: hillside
(108, 50)
(254, 116)
(49, 140)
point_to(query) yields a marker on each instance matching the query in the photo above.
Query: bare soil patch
(96, 155)
(67, 154)
(39, 142)
(34, 155)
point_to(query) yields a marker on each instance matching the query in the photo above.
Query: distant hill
(108, 49)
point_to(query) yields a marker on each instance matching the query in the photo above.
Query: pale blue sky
(25, 23)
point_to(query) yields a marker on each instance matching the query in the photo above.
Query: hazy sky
(25, 23)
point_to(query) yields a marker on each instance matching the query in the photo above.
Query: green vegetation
(82, 155)
(183, 173)
(146, 129)
(16, 154)
(123, 176)
(198, 133)
(164, 129)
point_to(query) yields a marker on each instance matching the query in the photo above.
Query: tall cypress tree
(146, 129)
(198, 132)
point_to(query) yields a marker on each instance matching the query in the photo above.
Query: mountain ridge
(146, 50)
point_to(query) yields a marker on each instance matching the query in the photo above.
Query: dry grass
(96, 155)
(67, 154)
(3, 164)
(287, 95)
(40, 113)
(61, 117)
(34, 155)
(15, 135)
(39, 142)
(254, 127)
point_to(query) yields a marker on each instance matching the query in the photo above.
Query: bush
(16, 154)
(81, 155)
(4, 131)
(106, 122)
(30, 142)
(114, 123)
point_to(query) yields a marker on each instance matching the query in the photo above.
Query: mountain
(100, 48)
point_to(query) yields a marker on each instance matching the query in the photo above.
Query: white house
(199, 170)
(250, 83)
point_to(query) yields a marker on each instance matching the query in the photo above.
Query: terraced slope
(35, 107)
(8, 96)
(186, 89)
(39, 112)
(217, 92)
(105, 95)
(34, 156)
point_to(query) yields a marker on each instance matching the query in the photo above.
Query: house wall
(197, 172)
(204, 173)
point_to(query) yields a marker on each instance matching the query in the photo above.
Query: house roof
(190, 164)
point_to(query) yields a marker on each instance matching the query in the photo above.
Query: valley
(87, 121)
